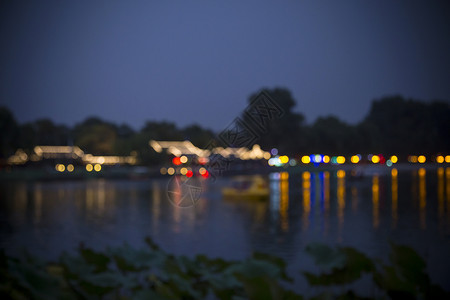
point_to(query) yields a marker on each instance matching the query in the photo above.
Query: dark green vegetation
(394, 125)
(150, 273)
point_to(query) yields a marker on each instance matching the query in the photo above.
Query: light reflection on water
(410, 207)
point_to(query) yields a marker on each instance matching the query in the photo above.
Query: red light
(206, 174)
(189, 173)
(176, 161)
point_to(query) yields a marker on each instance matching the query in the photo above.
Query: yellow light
(355, 159)
(412, 159)
(97, 167)
(163, 171)
(394, 172)
(183, 171)
(306, 159)
(394, 159)
(447, 159)
(267, 156)
(89, 167)
(422, 172)
(70, 168)
(440, 159)
(202, 171)
(284, 159)
(326, 159)
(421, 159)
(60, 168)
(340, 173)
(183, 159)
(375, 159)
(340, 160)
(170, 171)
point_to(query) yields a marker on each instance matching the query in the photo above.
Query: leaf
(97, 259)
(325, 256)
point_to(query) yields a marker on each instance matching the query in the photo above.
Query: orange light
(375, 159)
(326, 159)
(394, 172)
(440, 159)
(421, 159)
(284, 159)
(176, 161)
(447, 159)
(306, 159)
(355, 159)
(340, 173)
(340, 160)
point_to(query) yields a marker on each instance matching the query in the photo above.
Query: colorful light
(440, 159)
(394, 172)
(340, 160)
(183, 171)
(375, 159)
(189, 173)
(284, 159)
(98, 167)
(89, 167)
(163, 171)
(183, 159)
(176, 161)
(274, 151)
(447, 159)
(326, 159)
(60, 168)
(340, 173)
(421, 159)
(70, 168)
(306, 159)
(394, 159)
(355, 159)
(206, 174)
(170, 171)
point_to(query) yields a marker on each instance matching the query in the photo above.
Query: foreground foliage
(150, 273)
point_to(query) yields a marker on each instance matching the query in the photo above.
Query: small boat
(247, 188)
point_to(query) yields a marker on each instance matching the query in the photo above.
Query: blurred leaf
(325, 256)
(97, 259)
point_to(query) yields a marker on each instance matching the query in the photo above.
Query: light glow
(340, 160)
(421, 159)
(306, 159)
(394, 159)
(375, 159)
(89, 167)
(355, 159)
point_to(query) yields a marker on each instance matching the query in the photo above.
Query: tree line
(393, 125)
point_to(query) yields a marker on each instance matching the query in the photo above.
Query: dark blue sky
(132, 61)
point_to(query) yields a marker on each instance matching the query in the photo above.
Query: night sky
(198, 62)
